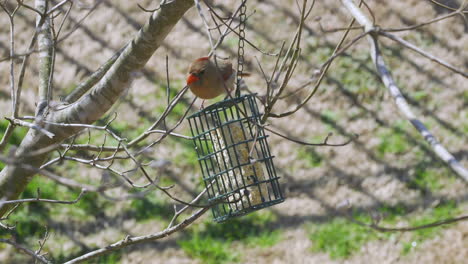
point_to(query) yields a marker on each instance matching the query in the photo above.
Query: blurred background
(388, 174)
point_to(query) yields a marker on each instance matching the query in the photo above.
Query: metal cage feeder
(235, 158)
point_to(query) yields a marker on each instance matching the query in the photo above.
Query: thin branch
(163, 3)
(21, 3)
(38, 199)
(163, 116)
(442, 5)
(24, 64)
(45, 44)
(14, 99)
(139, 239)
(322, 75)
(205, 23)
(6, 136)
(411, 228)
(400, 101)
(437, 19)
(85, 86)
(226, 31)
(183, 209)
(42, 243)
(292, 55)
(423, 53)
(323, 144)
(42, 130)
(57, 6)
(69, 182)
(169, 131)
(228, 26)
(25, 250)
(77, 25)
(67, 13)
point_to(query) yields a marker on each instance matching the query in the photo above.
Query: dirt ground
(366, 174)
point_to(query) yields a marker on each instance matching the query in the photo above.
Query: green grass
(31, 218)
(14, 140)
(428, 178)
(464, 95)
(420, 96)
(311, 156)
(329, 116)
(341, 238)
(150, 208)
(188, 155)
(445, 210)
(352, 74)
(393, 141)
(208, 249)
(213, 242)
(18, 133)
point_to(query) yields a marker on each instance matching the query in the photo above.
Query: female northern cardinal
(208, 79)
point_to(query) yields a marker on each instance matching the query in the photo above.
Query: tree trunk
(89, 108)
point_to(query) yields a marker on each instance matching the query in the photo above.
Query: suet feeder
(234, 156)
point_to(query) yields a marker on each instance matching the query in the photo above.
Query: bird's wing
(226, 70)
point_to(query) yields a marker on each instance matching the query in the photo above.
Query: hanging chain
(240, 50)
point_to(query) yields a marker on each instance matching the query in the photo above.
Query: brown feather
(209, 79)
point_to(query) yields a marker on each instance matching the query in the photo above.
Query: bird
(209, 79)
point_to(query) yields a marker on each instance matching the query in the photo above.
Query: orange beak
(192, 78)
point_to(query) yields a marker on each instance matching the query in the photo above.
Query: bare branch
(45, 44)
(442, 5)
(202, 16)
(324, 71)
(400, 101)
(38, 199)
(139, 239)
(423, 53)
(19, 122)
(25, 250)
(57, 6)
(83, 87)
(437, 19)
(411, 228)
(323, 144)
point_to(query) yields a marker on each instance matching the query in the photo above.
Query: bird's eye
(202, 72)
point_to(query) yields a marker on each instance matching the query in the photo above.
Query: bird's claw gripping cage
(234, 157)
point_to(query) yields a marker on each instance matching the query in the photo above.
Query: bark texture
(89, 108)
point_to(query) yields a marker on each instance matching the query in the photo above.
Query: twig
(226, 31)
(45, 63)
(139, 239)
(442, 5)
(319, 81)
(25, 250)
(57, 6)
(31, 125)
(423, 53)
(323, 144)
(24, 64)
(411, 228)
(28, 200)
(14, 99)
(179, 212)
(42, 243)
(202, 16)
(163, 2)
(400, 101)
(437, 19)
(84, 86)
(228, 26)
